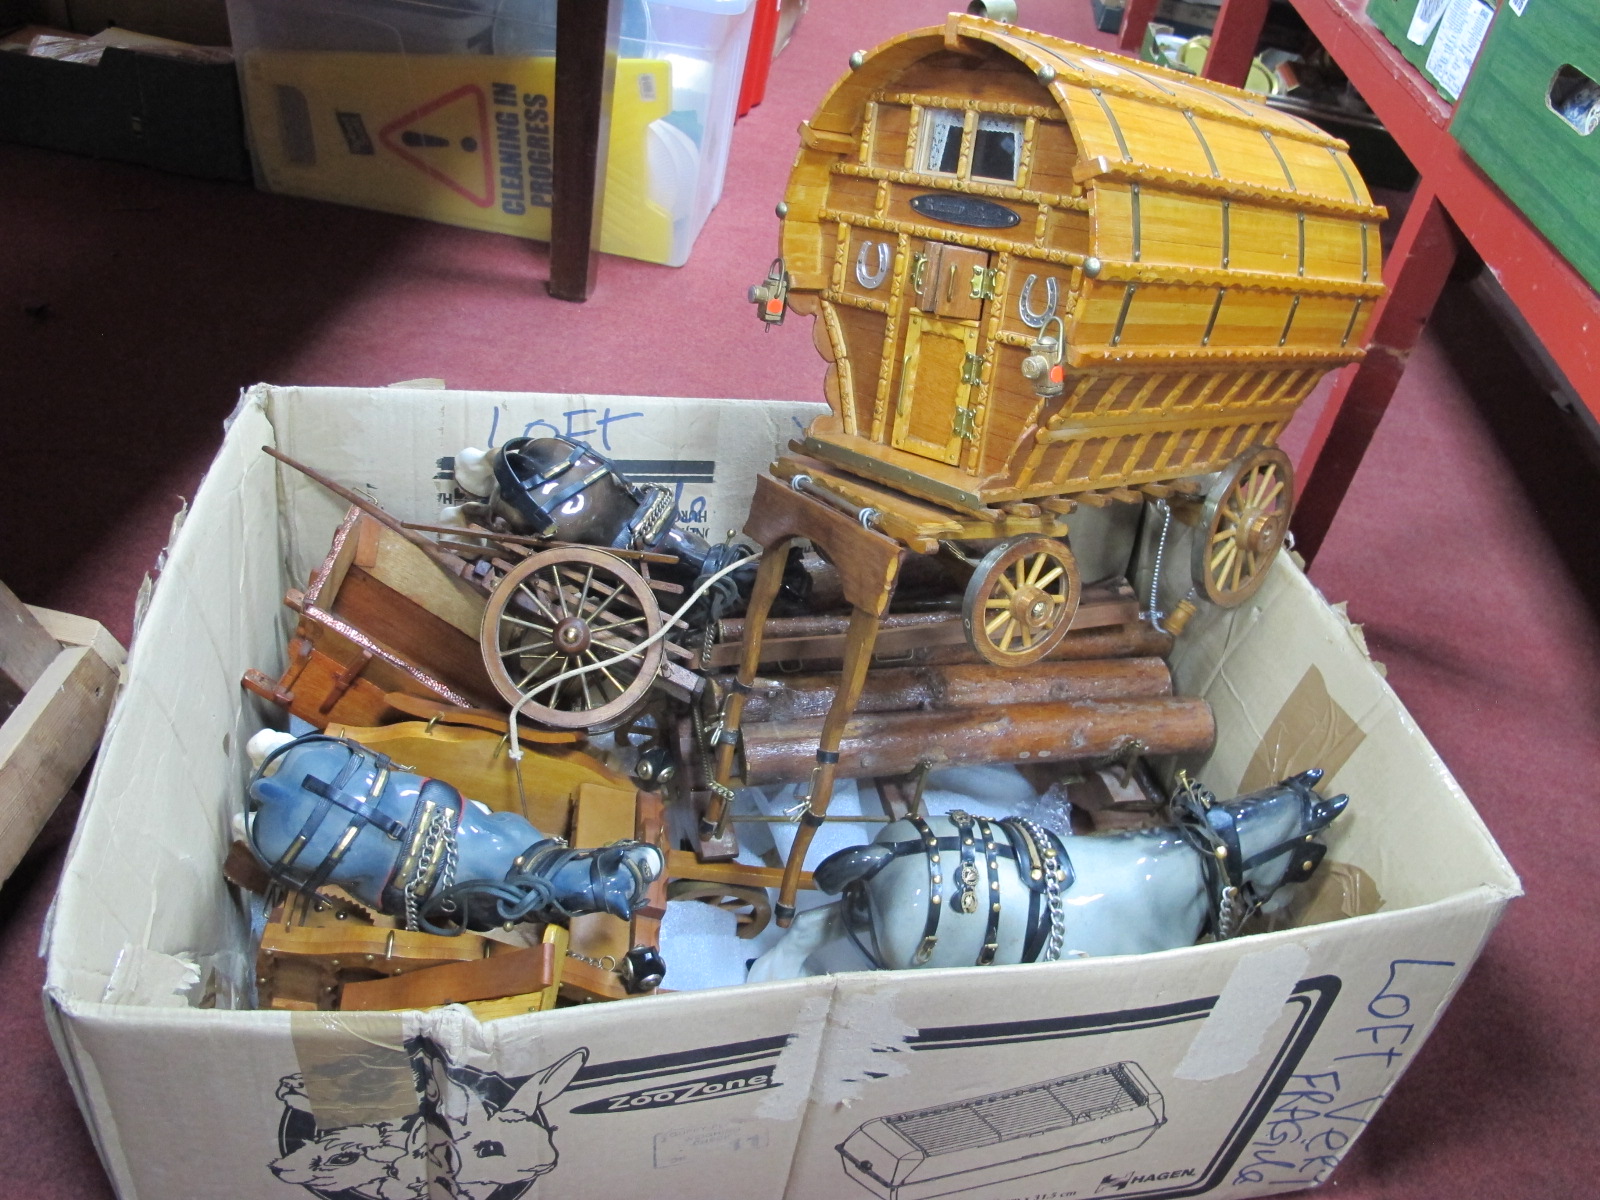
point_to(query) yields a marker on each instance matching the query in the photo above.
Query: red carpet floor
(135, 305)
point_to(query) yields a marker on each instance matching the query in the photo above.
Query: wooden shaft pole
(373, 509)
(858, 657)
(769, 579)
(586, 69)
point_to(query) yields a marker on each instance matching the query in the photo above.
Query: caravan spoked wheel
(1246, 518)
(1021, 600)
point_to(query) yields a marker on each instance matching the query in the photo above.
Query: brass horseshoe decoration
(872, 279)
(1052, 296)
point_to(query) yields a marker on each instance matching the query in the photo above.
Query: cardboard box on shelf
(1231, 1069)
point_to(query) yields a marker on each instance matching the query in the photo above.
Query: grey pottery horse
(960, 890)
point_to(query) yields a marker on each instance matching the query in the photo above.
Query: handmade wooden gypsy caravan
(1041, 271)
(1044, 276)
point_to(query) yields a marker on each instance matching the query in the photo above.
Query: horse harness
(1042, 864)
(1213, 831)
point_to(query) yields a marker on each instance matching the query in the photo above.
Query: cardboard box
(1234, 1069)
(1530, 121)
(132, 105)
(198, 22)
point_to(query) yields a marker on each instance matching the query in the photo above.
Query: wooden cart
(1046, 276)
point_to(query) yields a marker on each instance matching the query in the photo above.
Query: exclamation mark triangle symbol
(447, 139)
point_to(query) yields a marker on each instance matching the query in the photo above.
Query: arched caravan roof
(1216, 226)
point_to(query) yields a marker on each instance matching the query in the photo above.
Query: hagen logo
(1117, 1183)
(713, 1088)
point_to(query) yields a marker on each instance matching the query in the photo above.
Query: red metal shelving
(1558, 304)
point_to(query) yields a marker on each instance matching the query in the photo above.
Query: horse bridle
(1213, 831)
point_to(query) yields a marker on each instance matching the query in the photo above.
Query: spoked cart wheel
(1245, 519)
(566, 608)
(1021, 599)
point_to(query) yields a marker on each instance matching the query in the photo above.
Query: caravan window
(943, 154)
(996, 150)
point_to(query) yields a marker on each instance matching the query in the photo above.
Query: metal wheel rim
(1021, 600)
(601, 607)
(1246, 517)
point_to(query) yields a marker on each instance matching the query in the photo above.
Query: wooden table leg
(857, 658)
(1136, 15)
(769, 579)
(586, 67)
(1234, 40)
(1415, 274)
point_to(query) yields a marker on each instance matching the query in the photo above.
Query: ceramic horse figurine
(958, 890)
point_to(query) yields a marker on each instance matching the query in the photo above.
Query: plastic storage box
(443, 109)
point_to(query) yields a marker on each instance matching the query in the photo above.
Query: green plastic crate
(1532, 65)
(1394, 18)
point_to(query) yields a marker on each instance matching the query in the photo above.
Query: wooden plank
(26, 649)
(555, 936)
(72, 630)
(52, 733)
(369, 947)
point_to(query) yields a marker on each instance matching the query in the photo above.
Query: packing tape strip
(354, 1066)
(1310, 730)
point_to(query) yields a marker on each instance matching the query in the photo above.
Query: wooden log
(817, 639)
(1138, 640)
(903, 689)
(895, 743)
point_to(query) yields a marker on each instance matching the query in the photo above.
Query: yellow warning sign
(463, 139)
(448, 140)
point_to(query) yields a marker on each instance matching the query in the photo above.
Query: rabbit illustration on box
(475, 1135)
(958, 890)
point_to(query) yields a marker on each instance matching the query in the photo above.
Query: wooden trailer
(1041, 271)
